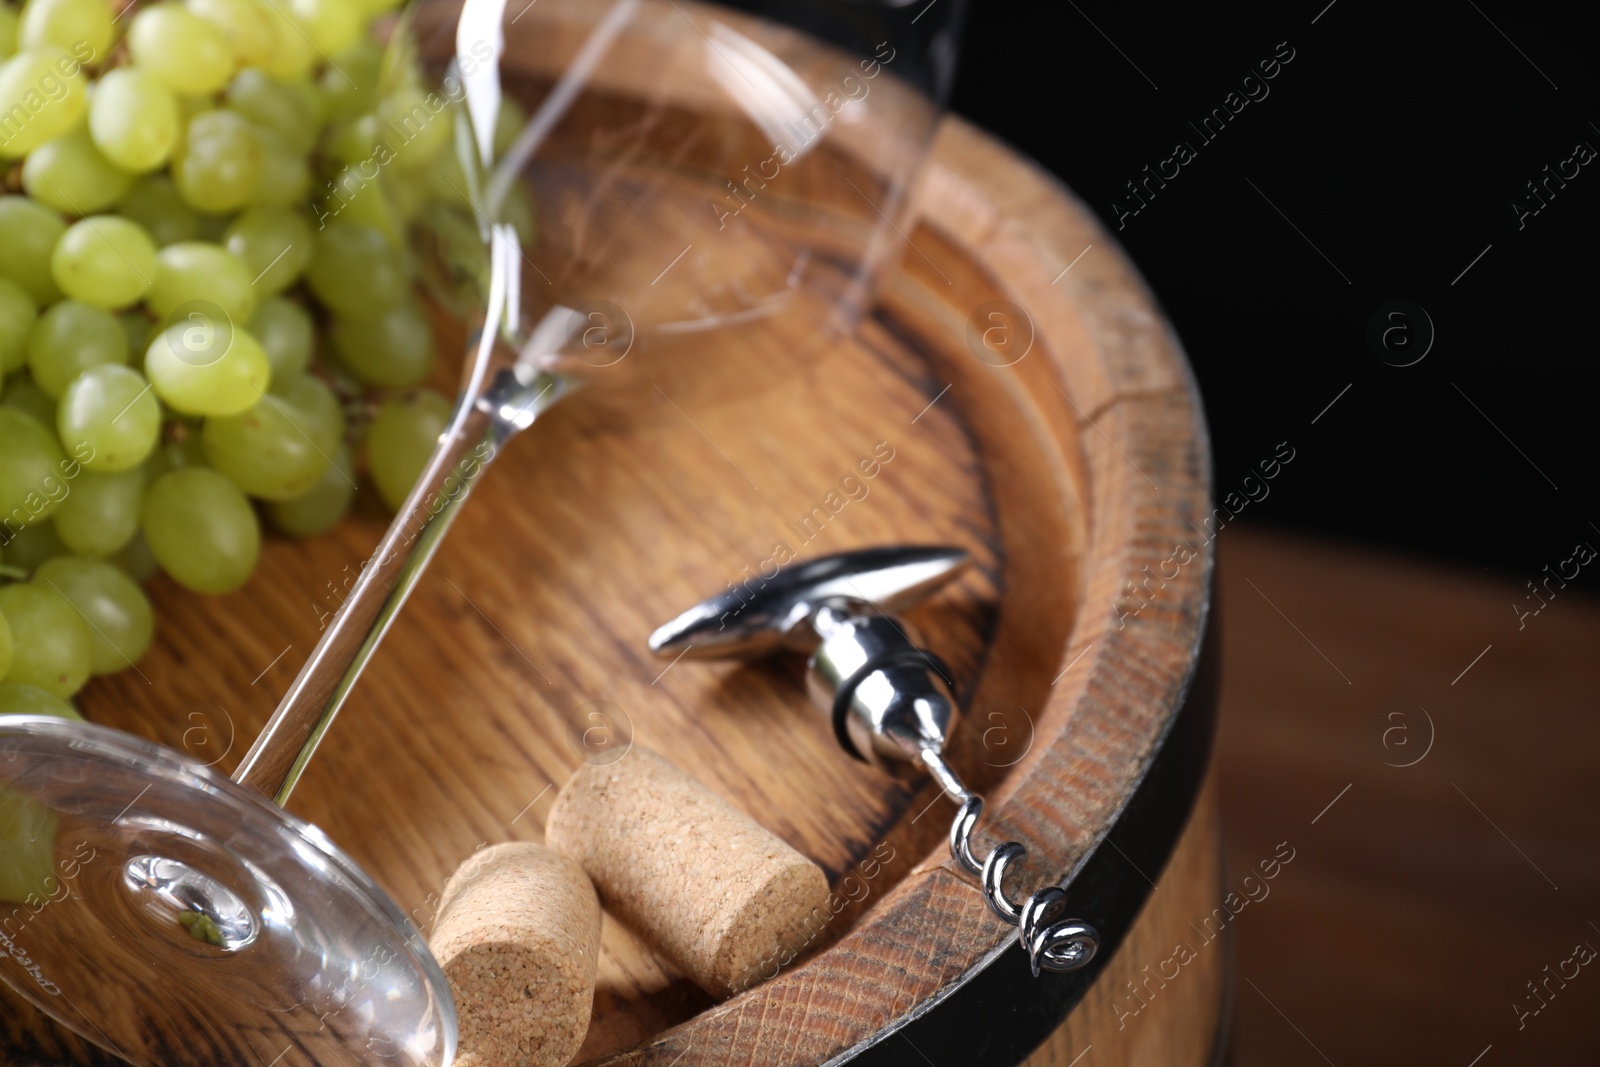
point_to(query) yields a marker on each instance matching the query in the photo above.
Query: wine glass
(700, 178)
(702, 183)
(174, 916)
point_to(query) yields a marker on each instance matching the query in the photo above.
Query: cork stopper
(518, 936)
(723, 898)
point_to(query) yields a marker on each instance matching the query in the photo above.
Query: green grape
(27, 827)
(357, 140)
(28, 852)
(285, 176)
(192, 271)
(509, 122)
(275, 106)
(517, 209)
(153, 202)
(181, 50)
(160, 461)
(273, 243)
(448, 182)
(5, 646)
(400, 440)
(458, 251)
(67, 24)
(243, 23)
(31, 469)
(17, 315)
(355, 271)
(134, 119)
(50, 640)
(104, 260)
(409, 191)
(28, 233)
(34, 545)
(73, 176)
(23, 395)
(201, 530)
(69, 338)
(332, 25)
(207, 367)
(136, 560)
(8, 31)
(419, 131)
(30, 700)
(282, 446)
(292, 55)
(219, 163)
(188, 108)
(393, 349)
(119, 617)
(318, 508)
(351, 201)
(45, 86)
(101, 514)
(109, 415)
(286, 334)
(136, 328)
(350, 83)
(304, 90)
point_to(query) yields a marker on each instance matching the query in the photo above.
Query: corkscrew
(890, 701)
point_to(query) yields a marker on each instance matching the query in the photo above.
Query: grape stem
(20, 574)
(502, 392)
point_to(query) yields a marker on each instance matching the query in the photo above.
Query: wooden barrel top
(1078, 476)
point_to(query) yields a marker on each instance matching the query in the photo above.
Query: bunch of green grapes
(206, 304)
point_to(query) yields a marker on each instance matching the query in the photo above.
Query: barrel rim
(1136, 401)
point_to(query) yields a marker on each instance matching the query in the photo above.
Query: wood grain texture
(1497, 823)
(1078, 477)
(1156, 1003)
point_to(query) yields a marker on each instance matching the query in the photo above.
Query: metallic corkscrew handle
(889, 699)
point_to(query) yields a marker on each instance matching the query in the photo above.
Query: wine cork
(722, 897)
(518, 936)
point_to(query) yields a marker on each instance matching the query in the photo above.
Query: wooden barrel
(1076, 472)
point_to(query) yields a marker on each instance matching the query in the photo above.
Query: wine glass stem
(275, 762)
(502, 392)
(476, 430)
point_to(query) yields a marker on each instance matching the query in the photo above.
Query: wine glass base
(177, 896)
(174, 917)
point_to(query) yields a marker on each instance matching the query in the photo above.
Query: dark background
(1382, 165)
(1395, 141)
(1430, 753)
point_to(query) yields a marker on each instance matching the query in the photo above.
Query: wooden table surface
(1422, 900)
